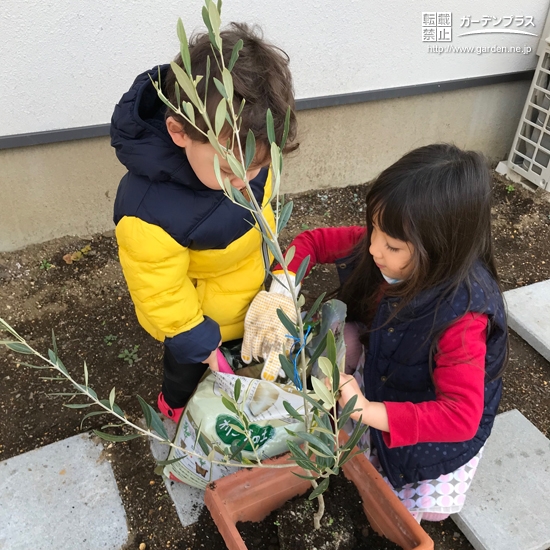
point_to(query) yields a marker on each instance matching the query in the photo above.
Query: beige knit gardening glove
(264, 334)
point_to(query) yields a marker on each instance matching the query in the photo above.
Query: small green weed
(109, 339)
(45, 265)
(130, 356)
(510, 188)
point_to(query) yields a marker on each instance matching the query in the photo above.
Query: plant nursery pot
(252, 494)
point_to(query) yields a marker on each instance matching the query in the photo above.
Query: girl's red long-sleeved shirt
(459, 372)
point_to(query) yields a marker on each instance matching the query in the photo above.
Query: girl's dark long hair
(438, 198)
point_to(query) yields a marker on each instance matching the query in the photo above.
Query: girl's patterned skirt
(429, 499)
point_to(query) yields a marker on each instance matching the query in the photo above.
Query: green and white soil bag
(205, 427)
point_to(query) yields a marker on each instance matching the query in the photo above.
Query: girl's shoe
(169, 412)
(434, 516)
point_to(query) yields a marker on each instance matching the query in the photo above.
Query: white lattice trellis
(530, 154)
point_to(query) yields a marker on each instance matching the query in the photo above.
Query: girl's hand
(370, 412)
(348, 388)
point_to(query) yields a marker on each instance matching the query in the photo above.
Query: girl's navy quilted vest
(397, 369)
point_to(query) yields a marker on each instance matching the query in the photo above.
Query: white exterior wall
(68, 188)
(65, 63)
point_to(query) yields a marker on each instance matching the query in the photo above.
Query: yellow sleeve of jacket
(156, 270)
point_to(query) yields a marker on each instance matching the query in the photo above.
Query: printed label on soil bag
(207, 427)
(225, 425)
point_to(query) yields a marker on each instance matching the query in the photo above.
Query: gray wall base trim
(406, 91)
(101, 130)
(54, 136)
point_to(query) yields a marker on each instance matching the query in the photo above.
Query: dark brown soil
(87, 304)
(293, 523)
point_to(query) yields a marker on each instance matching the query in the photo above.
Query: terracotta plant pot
(252, 494)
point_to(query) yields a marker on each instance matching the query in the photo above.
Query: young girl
(427, 337)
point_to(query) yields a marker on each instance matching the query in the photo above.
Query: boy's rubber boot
(175, 413)
(223, 365)
(169, 412)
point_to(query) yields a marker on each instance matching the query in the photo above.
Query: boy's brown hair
(261, 76)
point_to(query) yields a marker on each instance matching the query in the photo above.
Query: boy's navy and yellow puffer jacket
(191, 258)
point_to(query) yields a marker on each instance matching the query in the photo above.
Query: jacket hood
(140, 137)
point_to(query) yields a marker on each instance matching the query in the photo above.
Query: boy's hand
(212, 361)
(264, 335)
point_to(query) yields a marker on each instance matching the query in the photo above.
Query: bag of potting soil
(333, 318)
(211, 430)
(208, 428)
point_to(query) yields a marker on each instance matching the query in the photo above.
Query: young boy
(191, 259)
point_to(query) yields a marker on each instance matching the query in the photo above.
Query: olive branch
(321, 455)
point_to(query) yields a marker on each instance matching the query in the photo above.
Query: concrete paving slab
(507, 506)
(189, 501)
(63, 495)
(529, 315)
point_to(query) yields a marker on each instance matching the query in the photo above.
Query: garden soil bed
(344, 514)
(87, 304)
